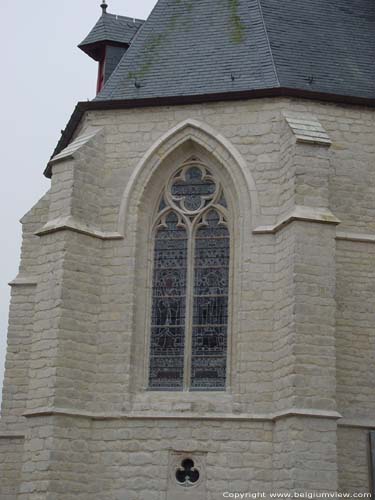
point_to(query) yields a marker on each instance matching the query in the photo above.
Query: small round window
(187, 474)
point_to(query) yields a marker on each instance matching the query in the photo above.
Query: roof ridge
(128, 18)
(115, 17)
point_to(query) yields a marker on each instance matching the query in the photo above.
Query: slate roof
(323, 45)
(191, 47)
(112, 28)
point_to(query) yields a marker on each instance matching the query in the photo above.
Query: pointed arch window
(190, 284)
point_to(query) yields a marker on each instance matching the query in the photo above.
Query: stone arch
(188, 140)
(210, 140)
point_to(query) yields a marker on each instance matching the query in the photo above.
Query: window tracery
(190, 284)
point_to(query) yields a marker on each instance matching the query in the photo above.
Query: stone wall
(11, 449)
(302, 300)
(134, 457)
(353, 459)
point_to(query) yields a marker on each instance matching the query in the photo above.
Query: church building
(194, 314)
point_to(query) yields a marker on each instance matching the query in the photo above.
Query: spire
(104, 7)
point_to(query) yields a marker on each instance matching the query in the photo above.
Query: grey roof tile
(113, 28)
(323, 45)
(190, 47)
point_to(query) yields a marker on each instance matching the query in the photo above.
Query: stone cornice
(360, 423)
(300, 213)
(154, 415)
(306, 412)
(24, 280)
(12, 435)
(72, 224)
(361, 237)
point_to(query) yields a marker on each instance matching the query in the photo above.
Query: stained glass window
(210, 310)
(190, 285)
(168, 304)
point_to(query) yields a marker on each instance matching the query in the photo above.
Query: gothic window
(190, 281)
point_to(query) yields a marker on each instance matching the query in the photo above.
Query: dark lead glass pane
(208, 373)
(193, 191)
(169, 282)
(162, 204)
(207, 256)
(211, 280)
(168, 306)
(170, 256)
(210, 307)
(222, 201)
(166, 373)
(167, 341)
(167, 355)
(168, 311)
(206, 232)
(209, 342)
(210, 310)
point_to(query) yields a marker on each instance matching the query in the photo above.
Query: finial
(104, 7)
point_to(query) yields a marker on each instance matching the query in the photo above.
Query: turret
(108, 41)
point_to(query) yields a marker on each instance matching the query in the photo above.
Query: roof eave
(98, 105)
(94, 49)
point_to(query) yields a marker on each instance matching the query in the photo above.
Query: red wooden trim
(101, 70)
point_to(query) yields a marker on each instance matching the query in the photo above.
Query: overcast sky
(43, 75)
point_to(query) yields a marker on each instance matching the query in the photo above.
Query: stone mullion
(189, 307)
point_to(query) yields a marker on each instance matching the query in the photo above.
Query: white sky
(43, 75)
